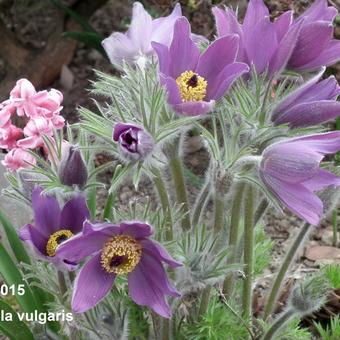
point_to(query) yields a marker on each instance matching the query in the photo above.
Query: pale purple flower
(194, 81)
(316, 46)
(266, 45)
(53, 225)
(291, 171)
(119, 250)
(135, 45)
(134, 142)
(311, 104)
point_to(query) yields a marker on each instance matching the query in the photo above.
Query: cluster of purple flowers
(194, 83)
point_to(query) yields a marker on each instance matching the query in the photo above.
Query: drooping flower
(18, 158)
(291, 171)
(195, 81)
(316, 46)
(135, 45)
(117, 250)
(53, 225)
(72, 167)
(266, 45)
(311, 104)
(134, 142)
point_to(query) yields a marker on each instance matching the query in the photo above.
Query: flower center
(121, 254)
(56, 239)
(192, 87)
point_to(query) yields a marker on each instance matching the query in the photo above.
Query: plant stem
(62, 284)
(233, 236)
(107, 214)
(166, 329)
(283, 270)
(260, 210)
(248, 253)
(180, 189)
(335, 227)
(165, 202)
(204, 301)
(262, 116)
(278, 323)
(218, 212)
(200, 203)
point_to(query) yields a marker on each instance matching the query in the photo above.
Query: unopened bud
(224, 181)
(134, 142)
(72, 168)
(309, 295)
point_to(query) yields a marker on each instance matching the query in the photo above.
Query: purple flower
(118, 250)
(311, 104)
(193, 80)
(265, 44)
(135, 44)
(291, 171)
(315, 46)
(134, 142)
(53, 226)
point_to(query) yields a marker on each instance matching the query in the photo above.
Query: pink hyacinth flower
(9, 136)
(18, 158)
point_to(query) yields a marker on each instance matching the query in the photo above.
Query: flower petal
(136, 229)
(159, 252)
(163, 54)
(194, 108)
(74, 214)
(91, 285)
(148, 283)
(297, 198)
(34, 237)
(256, 11)
(218, 86)
(313, 38)
(309, 114)
(90, 241)
(184, 53)
(282, 24)
(174, 96)
(321, 180)
(219, 54)
(46, 212)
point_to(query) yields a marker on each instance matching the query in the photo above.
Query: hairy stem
(218, 212)
(165, 202)
(283, 270)
(233, 236)
(248, 253)
(262, 117)
(180, 189)
(260, 210)
(107, 214)
(166, 329)
(200, 203)
(62, 284)
(204, 301)
(335, 227)
(278, 323)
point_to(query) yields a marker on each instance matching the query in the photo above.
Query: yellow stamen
(121, 254)
(55, 239)
(192, 87)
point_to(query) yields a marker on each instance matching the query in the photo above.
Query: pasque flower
(311, 104)
(291, 171)
(315, 46)
(117, 250)
(134, 142)
(195, 81)
(53, 225)
(135, 44)
(266, 45)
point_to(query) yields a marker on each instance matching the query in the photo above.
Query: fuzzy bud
(224, 181)
(134, 142)
(28, 181)
(72, 168)
(309, 295)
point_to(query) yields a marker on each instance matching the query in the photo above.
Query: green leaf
(13, 239)
(14, 329)
(12, 276)
(91, 39)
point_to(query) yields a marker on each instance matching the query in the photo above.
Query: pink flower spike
(18, 158)
(6, 112)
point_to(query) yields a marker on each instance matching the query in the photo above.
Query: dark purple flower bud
(72, 168)
(134, 142)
